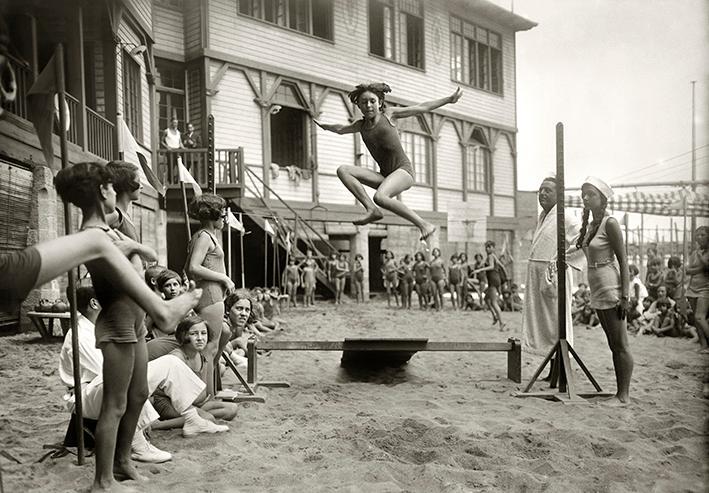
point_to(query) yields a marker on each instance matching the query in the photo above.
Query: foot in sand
(615, 402)
(126, 471)
(113, 487)
(369, 217)
(427, 231)
(174, 311)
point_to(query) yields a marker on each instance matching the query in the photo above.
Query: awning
(656, 203)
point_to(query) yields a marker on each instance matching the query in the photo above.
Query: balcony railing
(23, 77)
(99, 135)
(73, 135)
(228, 165)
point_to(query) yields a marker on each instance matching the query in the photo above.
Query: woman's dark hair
(207, 207)
(419, 256)
(702, 228)
(359, 256)
(489, 243)
(240, 294)
(183, 328)
(81, 184)
(580, 243)
(165, 276)
(124, 176)
(407, 256)
(674, 262)
(633, 269)
(433, 252)
(455, 256)
(379, 89)
(152, 272)
(478, 256)
(463, 255)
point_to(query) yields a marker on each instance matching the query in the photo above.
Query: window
(477, 159)
(396, 30)
(288, 138)
(476, 56)
(170, 90)
(312, 17)
(417, 148)
(132, 96)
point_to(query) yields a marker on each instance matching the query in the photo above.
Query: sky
(617, 73)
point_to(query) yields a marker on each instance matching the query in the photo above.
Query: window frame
(412, 155)
(133, 119)
(261, 16)
(397, 17)
(471, 168)
(470, 56)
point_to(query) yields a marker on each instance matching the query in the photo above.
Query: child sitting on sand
(673, 277)
(586, 316)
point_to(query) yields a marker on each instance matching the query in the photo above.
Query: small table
(46, 330)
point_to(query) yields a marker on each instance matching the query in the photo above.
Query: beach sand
(444, 422)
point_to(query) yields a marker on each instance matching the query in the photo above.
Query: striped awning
(657, 203)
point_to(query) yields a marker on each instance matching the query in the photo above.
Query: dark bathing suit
(384, 145)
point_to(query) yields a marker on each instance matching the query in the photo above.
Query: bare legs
(353, 177)
(219, 335)
(617, 337)
(67, 252)
(439, 286)
(491, 301)
(700, 307)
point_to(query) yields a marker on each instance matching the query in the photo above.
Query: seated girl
(239, 314)
(193, 336)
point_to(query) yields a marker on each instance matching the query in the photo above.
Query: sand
(445, 422)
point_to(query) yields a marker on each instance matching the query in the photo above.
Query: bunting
(186, 177)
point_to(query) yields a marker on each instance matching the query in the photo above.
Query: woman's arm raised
(406, 111)
(339, 129)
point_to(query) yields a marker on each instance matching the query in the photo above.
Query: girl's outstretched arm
(340, 129)
(406, 111)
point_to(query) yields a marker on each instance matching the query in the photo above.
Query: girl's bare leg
(352, 177)
(394, 184)
(67, 252)
(137, 395)
(213, 315)
(118, 362)
(617, 336)
(700, 307)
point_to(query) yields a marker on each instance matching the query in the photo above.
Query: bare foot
(127, 471)
(174, 311)
(615, 402)
(370, 217)
(427, 232)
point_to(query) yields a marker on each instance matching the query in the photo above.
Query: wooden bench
(46, 330)
(396, 350)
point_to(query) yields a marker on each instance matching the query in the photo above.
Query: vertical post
(514, 361)
(694, 157)
(188, 230)
(228, 242)
(251, 355)
(626, 220)
(241, 250)
(265, 257)
(76, 362)
(211, 179)
(560, 252)
(641, 235)
(275, 257)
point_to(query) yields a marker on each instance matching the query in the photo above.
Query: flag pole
(265, 257)
(228, 241)
(241, 249)
(78, 404)
(188, 229)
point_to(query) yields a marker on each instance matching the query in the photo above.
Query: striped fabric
(657, 203)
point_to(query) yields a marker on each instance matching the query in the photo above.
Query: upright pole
(188, 229)
(560, 237)
(241, 250)
(265, 258)
(76, 362)
(694, 156)
(228, 243)
(642, 241)
(273, 260)
(626, 220)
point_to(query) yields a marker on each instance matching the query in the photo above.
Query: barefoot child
(391, 281)
(341, 269)
(358, 278)
(379, 133)
(406, 280)
(292, 275)
(454, 281)
(421, 271)
(310, 268)
(120, 331)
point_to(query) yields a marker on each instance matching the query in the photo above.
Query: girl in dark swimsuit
(358, 277)
(391, 280)
(492, 264)
(438, 276)
(340, 271)
(455, 278)
(406, 281)
(380, 135)
(421, 276)
(120, 332)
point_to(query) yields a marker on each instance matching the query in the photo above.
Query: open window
(289, 134)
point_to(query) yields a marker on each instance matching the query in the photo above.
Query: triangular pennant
(186, 177)
(133, 153)
(40, 109)
(268, 228)
(233, 222)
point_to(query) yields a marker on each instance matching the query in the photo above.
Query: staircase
(301, 233)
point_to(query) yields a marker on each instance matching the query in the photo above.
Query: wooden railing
(73, 135)
(99, 135)
(228, 165)
(23, 78)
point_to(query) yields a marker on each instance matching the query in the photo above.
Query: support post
(251, 356)
(514, 361)
(241, 250)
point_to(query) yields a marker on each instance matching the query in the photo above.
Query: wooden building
(261, 68)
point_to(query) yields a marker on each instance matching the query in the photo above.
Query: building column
(359, 244)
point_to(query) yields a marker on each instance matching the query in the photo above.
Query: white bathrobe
(539, 319)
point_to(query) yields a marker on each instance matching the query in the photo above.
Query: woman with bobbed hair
(205, 264)
(120, 331)
(381, 136)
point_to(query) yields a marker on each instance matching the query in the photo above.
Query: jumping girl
(120, 328)
(358, 277)
(380, 135)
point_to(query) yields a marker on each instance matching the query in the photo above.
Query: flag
(40, 109)
(133, 153)
(267, 228)
(233, 222)
(186, 177)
